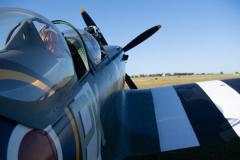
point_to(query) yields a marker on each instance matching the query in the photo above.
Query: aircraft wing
(193, 121)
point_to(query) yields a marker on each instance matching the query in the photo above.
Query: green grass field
(149, 82)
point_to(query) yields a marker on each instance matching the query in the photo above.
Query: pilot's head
(50, 39)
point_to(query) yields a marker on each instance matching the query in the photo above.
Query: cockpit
(84, 40)
(34, 57)
(34, 51)
(41, 64)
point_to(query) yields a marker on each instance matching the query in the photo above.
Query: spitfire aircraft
(62, 96)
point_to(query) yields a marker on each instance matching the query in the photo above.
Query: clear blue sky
(196, 36)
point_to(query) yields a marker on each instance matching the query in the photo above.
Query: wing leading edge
(187, 121)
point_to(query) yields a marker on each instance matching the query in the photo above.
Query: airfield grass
(150, 82)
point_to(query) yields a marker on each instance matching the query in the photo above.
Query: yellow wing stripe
(14, 75)
(75, 132)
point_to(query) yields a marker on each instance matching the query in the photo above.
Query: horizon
(196, 36)
(185, 73)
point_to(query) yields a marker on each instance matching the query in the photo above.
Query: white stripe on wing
(174, 128)
(226, 99)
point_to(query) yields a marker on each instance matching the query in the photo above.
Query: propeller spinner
(90, 23)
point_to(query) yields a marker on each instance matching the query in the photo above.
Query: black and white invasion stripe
(197, 114)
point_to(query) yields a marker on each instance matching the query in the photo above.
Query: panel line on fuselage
(75, 132)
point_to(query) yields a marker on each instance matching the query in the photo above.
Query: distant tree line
(162, 74)
(147, 75)
(179, 74)
(183, 74)
(175, 74)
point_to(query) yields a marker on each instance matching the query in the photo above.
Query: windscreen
(35, 61)
(9, 21)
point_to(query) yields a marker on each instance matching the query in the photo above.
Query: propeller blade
(87, 19)
(139, 39)
(89, 22)
(102, 39)
(130, 82)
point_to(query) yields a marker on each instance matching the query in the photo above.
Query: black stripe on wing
(233, 83)
(208, 122)
(129, 125)
(225, 151)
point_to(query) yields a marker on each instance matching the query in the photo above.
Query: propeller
(130, 82)
(142, 37)
(89, 22)
(139, 39)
